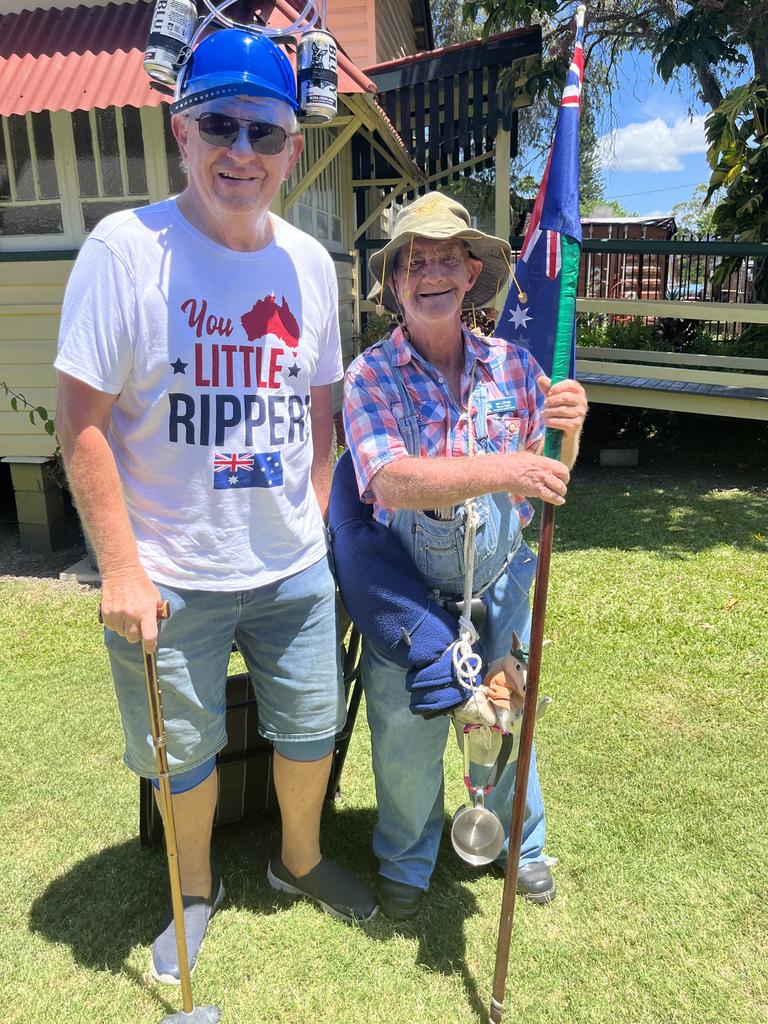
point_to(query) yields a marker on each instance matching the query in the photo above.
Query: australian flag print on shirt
(233, 470)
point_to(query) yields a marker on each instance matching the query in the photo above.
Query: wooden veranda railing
(656, 279)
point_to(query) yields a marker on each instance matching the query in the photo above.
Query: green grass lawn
(653, 764)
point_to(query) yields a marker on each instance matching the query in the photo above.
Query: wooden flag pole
(562, 358)
(523, 764)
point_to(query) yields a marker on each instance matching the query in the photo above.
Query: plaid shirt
(373, 407)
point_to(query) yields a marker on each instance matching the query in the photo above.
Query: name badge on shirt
(500, 406)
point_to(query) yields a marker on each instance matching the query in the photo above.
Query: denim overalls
(408, 750)
(437, 546)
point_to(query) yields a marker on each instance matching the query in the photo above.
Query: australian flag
(234, 470)
(540, 311)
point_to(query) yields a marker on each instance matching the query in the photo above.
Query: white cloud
(652, 145)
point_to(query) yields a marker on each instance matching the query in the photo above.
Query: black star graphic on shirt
(179, 367)
(293, 371)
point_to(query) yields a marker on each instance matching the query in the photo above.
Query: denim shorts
(286, 632)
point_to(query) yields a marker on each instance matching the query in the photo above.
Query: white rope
(467, 662)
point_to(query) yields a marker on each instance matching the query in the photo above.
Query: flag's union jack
(572, 91)
(232, 462)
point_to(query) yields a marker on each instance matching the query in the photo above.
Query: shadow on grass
(111, 902)
(674, 514)
(701, 481)
(439, 925)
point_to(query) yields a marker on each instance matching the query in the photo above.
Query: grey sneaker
(164, 963)
(330, 885)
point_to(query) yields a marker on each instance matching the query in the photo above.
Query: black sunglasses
(224, 130)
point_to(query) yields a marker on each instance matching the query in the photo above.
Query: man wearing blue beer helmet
(196, 336)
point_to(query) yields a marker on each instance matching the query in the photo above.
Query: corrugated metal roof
(664, 218)
(84, 57)
(75, 59)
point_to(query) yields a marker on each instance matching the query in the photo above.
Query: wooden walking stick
(190, 1014)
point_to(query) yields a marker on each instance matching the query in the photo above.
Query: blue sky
(654, 155)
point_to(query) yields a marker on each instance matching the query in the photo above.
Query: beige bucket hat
(439, 217)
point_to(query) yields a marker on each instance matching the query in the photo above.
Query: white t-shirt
(211, 353)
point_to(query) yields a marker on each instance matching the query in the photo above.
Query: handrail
(736, 312)
(672, 247)
(694, 359)
(660, 246)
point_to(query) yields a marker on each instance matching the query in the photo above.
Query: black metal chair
(246, 787)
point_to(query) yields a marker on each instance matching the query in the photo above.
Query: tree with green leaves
(712, 41)
(712, 33)
(693, 216)
(721, 45)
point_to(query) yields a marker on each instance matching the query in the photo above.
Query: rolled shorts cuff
(306, 750)
(145, 772)
(182, 782)
(303, 737)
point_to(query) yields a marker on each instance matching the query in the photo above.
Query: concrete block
(40, 507)
(80, 572)
(619, 457)
(31, 476)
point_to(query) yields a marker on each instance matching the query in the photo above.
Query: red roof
(85, 57)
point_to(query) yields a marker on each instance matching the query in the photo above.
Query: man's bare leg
(301, 787)
(193, 814)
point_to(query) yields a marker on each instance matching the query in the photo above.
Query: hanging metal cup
(477, 834)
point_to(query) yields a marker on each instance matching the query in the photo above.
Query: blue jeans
(408, 750)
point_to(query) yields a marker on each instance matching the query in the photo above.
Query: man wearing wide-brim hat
(435, 415)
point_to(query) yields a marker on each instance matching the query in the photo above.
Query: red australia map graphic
(266, 317)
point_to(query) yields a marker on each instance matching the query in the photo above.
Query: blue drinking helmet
(235, 62)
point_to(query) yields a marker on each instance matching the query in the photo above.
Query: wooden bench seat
(681, 382)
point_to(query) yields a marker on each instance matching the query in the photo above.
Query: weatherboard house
(82, 135)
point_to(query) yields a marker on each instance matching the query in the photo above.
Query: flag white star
(233, 481)
(520, 317)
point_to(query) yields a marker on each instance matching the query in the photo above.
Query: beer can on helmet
(317, 74)
(170, 33)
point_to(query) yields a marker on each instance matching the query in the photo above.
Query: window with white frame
(60, 173)
(30, 197)
(177, 178)
(319, 209)
(111, 169)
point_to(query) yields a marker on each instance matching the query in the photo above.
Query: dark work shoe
(330, 885)
(535, 882)
(399, 900)
(164, 963)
